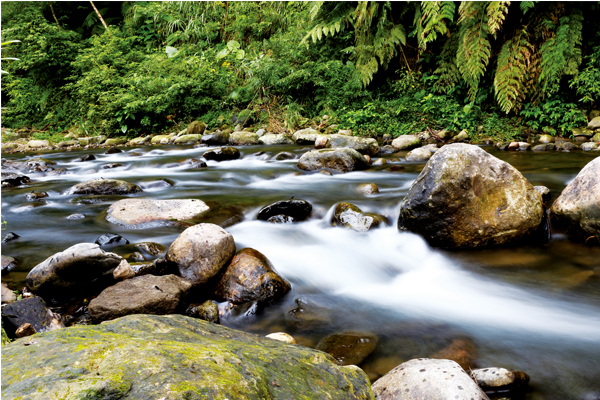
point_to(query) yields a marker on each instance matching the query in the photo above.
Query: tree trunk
(99, 16)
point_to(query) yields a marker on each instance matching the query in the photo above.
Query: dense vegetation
(496, 69)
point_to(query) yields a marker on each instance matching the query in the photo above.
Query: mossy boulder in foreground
(172, 357)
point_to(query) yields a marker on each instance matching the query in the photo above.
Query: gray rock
(151, 213)
(110, 239)
(187, 139)
(104, 187)
(208, 311)
(171, 357)
(342, 160)
(465, 197)
(594, 123)
(243, 138)
(462, 136)
(31, 310)
(362, 145)
(349, 348)
(426, 378)
(76, 216)
(272, 139)
(251, 277)
(222, 154)
(564, 145)
(8, 263)
(577, 210)
(589, 146)
(147, 294)
(406, 142)
(37, 144)
(71, 272)
(261, 132)
(8, 296)
(284, 155)
(306, 136)
(544, 147)
(10, 179)
(499, 379)
(544, 191)
(218, 138)
(421, 153)
(201, 251)
(10, 236)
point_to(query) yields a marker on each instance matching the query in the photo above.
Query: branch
(99, 16)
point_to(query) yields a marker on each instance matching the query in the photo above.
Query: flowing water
(535, 309)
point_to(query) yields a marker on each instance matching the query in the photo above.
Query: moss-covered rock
(362, 145)
(115, 141)
(172, 357)
(243, 138)
(188, 139)
(196, 128)
(406, 142)
(465, 197)
(342, 160)
(104, 187)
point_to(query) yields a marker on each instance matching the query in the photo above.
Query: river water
(534, 309)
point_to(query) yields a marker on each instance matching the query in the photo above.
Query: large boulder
(243, 138)
(196, 128)
(222, 154)
(201, 251)
(272, 139)
(171, 357)
(146, 294)
(426, 378)
(406, 142)
(151, 213)
(251, 277)
(342, 160)
(367, 146)
(72, 272)
(465, 197)
(577, 210)
(104, 187)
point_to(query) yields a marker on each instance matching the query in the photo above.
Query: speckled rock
(201, 251)
(362, 145)
(342, 160)
(349, 348)
(426, 378)
(251, 277)
(272, 139)
(406, 142)
(350, 216)
(577, 210)
(151, 213)
(104, 187)
(182, 358)
(499, 379)
(222, 154)
(147, 294)
(465, 197)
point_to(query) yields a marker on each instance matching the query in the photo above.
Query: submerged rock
(182, 358)
(368, 188)
(104, 187)
(342, 160)
(250, 276)
(298, 210)
(8, 263)
(349, 348)
(150, 213)
(284, 155)
(10, 236)
(10, 179)
(201, 251)
(110, 239)
(577, 210)
(462, 351)
(71, 272)
(425, 378)
(147, 294)
(465, 197)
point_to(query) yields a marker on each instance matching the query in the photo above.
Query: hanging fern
(496, 12)
(560, 54)
(527, 5)
(511, 72)
(430, 20)
(447, 70)
(329, 18)
(474, 48)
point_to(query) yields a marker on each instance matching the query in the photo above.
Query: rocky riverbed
(355, 248)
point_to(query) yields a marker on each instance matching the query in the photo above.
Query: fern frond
(527, 5)
(511, 73)
(561, 53)
(496, 12)
(447, 70)
(329, 18)
(431, 22)
(474, 48)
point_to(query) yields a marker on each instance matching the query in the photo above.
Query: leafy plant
(555, 113)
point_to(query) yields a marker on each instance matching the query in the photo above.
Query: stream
(534, 309)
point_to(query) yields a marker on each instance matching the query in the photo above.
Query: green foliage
(49, 136)
(587, 82)
(432, 19)
(553, 112)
